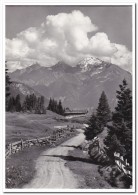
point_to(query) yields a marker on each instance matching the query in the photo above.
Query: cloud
(30, 35)
(63, 37)
(100, 45)
(123, 57)
(16, 49)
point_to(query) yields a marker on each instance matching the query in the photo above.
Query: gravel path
(51, 171)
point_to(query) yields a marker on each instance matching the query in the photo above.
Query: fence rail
(94, 149)
(49, 140)
(123, 164)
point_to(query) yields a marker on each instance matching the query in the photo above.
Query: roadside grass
(86, 171)
(20, 167)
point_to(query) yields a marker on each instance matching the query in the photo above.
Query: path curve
(51, 171)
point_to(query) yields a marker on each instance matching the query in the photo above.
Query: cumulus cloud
(63, 37)
(123, 57)
(100, 45)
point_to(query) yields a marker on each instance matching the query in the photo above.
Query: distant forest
(31, 103)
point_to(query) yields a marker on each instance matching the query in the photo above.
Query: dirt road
(51, 171)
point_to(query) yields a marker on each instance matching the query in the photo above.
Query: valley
(48, 167)
(78, 89)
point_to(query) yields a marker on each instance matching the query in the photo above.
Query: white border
(61, 2)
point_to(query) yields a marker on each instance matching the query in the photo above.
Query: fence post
(10, 148)
(21, 144)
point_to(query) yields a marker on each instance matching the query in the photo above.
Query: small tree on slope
(98, 120)
(93, 129)
(103, 110)
(119, 138)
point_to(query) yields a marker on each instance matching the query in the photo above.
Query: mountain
(22, 89)
(79, 86)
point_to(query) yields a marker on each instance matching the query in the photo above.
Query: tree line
(118, 123)
(31, 103)
(56, 106)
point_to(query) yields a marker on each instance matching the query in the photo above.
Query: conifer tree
(56, 106)
(11, 104)
(60, 108)
(50, 104)
(119, 138)
(24, 107)
(93, 128)
(41, 105)
(98, 120)
(18, 106)
(103, 111)
(8, 82)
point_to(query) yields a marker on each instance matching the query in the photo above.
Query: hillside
(22, 89)
(27, 126)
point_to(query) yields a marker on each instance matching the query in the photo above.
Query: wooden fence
(89, 146)
(123, 165)
(49, 140)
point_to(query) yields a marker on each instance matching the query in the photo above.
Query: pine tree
(56, 107)
(18, 106)
(119, 138)
(60, 108)
(26, 103)
(11, 104)
(50, 104)
(8, 82)
(42, 100)
(41, 108)
(34, 98)
(93, 128)
(103, 111)
(37, 107)
(24, 106)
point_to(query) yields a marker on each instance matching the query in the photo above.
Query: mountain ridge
(77, 87)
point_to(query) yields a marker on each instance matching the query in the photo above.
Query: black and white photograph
(69, 98)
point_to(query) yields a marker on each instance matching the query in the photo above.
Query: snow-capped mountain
(87, 63)
(79, 86)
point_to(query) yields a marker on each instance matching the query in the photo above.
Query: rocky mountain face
(77, 87)
(23, 90)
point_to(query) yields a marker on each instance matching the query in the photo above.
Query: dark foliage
(93, 129)
(8, 82)
(98, 120)
(34, 104)
(119, 138)
(103, 110)
(56, 107)
(14, 104)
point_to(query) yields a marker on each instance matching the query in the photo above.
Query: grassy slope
(27, 126)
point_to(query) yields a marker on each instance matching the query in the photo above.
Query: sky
(48, 34)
